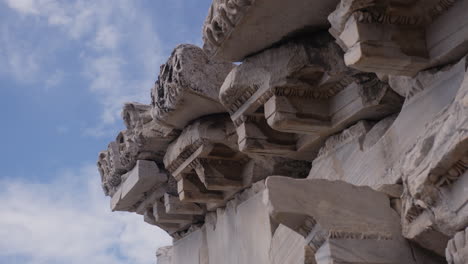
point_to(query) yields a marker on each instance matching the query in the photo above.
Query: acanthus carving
(188, 79)
(222, 18)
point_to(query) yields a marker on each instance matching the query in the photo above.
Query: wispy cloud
(66, 221)
(119, 49)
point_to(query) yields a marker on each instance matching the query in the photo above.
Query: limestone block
(151, 198)
(145, 138)
(161, 216)
(164, 255)
(447, 36)
(399, 37)
(173, 205)
(187, 81)
(241, 232)
(231, 22)
(109, 183)
(202, 158)
(368, 153)
(170, 228)
(290, 247)
(301, 87)
(191, 249)
(457, 249)
(144, 177)
(434, 172)
(111, 168)
(342, 223)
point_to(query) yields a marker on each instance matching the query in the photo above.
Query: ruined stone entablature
(457, 249)
(359, 105)
(398, 37)
(288, 99)
(188, 80)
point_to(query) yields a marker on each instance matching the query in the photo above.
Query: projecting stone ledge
(144, 177)
(435, 174)
(287, 100)
(341, 223)
(187, 87)
(235, 29)
(400, 37)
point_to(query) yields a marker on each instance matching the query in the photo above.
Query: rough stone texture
(241, 232)
(366, 154)
(290, 247)
(164, 255)
(231, 22)
(434, 171)
(400, 37)
(204, 155)
(457, 248)
(187, 81)
(342, 223)
(191, 249)
(379, 109)
(301, 87)
(144, 177)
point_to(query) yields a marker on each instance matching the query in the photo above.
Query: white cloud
(69, 221)
(120, 50)
(23, 6)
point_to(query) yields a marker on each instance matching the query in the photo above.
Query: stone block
(161, 216)
(288, 99)
(368, 153)
(241, 232)
(342, 223)
(290, 247)
(457, 248)
(400, 38)
(230, 23)
(191, 249)
(434, 172)
(173, 205)
(164, 255)
(144, 177)
(188, 80)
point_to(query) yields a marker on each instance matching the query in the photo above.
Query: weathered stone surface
(231, 22)
(367, 153)
(191, 249)
(161, 216)
(342, 223)
(301, 87)
(204, 155)
(145, 177)
(457, 248)
(145, 138)
(186, 82)
(241, 232)
(397, 37)
(290, 247)
(175, 206)
(164, 255)
(434, 171)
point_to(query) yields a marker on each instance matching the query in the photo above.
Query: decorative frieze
(286, 100)
(400, 38)
(188, 80)
(263, 23)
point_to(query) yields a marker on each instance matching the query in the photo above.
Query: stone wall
(340, 136)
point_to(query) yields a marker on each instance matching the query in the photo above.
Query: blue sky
(66, 67)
